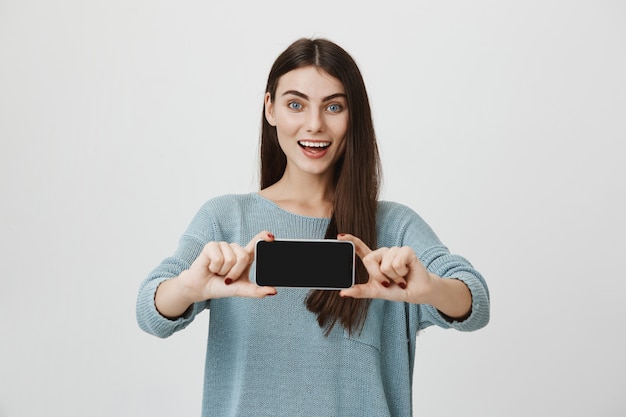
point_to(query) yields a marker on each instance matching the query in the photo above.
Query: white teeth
(313, 144)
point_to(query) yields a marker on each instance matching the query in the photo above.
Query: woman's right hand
(220, 270)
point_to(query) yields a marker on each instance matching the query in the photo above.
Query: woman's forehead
(311, 81)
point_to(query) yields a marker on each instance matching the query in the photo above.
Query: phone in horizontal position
(324, 264)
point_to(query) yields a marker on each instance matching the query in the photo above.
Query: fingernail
(341, 234)
(228, 281)
(402, 285)
(273, 293)
(386, 284)
(271, 236)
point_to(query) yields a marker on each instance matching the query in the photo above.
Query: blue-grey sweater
(269, 357)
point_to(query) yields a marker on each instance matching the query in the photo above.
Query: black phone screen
(320, 264)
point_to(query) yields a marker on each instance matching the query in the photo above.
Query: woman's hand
(397, 274)
(220, 270)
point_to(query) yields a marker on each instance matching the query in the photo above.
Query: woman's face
(310, 113)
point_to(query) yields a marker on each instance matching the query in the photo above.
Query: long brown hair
(357, 172)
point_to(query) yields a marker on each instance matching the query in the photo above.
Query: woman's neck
(303, 196)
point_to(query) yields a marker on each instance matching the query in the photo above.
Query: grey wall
(501, 123)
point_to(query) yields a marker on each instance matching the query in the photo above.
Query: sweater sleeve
(200, 231)
(411, 230)
(441, 262)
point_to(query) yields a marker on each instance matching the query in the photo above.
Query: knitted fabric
(269, 357)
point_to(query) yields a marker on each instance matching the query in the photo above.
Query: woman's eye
(294, 105)
(334, 108)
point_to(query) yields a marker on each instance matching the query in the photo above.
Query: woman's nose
(315, 122)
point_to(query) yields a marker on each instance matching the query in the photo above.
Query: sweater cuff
(149, 318)
(479, 315)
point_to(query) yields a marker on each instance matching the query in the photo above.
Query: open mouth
(314, 146)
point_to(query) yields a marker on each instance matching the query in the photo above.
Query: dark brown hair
(357, 172)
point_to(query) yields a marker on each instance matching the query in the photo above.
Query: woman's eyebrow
(333, 96)
(304, 96)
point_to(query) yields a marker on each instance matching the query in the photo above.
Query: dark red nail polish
(271, 236)
(402, 285)
(386, 284)
(228, 281)
(341, 234)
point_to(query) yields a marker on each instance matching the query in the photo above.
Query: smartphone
(324, 264)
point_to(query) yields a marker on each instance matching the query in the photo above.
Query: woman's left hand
(395, 274)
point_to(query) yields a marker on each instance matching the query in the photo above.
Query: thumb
(360, 247)
(264, 235)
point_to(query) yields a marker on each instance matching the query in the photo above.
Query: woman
(313, 352)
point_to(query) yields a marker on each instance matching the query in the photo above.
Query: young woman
(312, 352)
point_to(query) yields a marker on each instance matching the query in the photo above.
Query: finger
(371, 259)
(387, 261)
(244, 288)
(356, 291)
(402, 263)
(376, 290)
(372, 289)
(229, 258)
(213, 254)
(394, 265)
(372, 264)
(264, 235)
(240, 266)
(360, 247)
(240, 288)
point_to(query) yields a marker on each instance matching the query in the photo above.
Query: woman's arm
(180, 287)
(397, 274)
(451, 297)
(215, 273)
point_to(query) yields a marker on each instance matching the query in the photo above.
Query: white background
(502, 123)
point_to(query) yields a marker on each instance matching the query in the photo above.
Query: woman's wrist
(188, 295)
(450, 296)
(172, 298)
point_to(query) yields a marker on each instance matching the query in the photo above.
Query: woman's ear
(269, 110)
